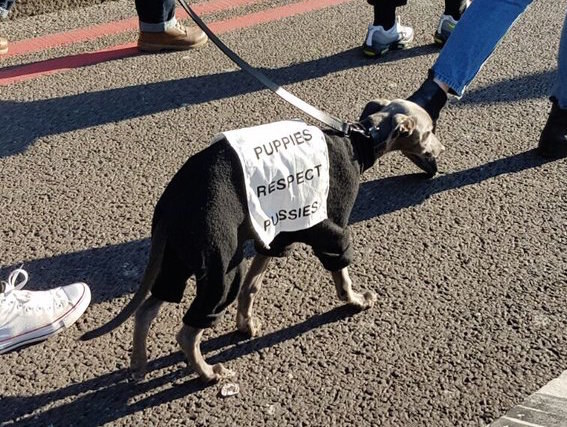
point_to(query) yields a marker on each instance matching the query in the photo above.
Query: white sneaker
(445, 28)
(31, 316)
(379, 41)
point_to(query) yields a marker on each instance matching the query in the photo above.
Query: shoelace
(399, 28)
(23, 298)
(12, 282)
(180, 27)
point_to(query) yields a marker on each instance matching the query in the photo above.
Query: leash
(331, 121)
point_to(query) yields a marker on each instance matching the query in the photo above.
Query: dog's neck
(368, 145)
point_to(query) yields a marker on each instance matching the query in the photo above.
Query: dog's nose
(428, 164)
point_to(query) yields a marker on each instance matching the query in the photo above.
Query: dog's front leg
(144, 316)
(245, 320)
(189, 339)
(346, 294)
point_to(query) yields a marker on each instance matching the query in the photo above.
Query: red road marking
(281, 12)
(90, 33)
(31, 71)
(57, 65)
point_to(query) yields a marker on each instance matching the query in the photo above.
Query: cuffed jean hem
(454, 88)
(465, 53)
(159, 27)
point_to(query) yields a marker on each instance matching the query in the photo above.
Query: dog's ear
(373, 107)
(403, 125)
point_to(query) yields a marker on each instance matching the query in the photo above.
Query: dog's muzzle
(426, 163)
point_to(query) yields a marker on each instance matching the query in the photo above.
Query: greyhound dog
(201, 223)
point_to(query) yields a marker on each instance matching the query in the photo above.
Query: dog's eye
(426, 135)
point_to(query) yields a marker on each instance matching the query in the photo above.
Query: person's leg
(553, 139)
(156, 16)
(465, 52)
(560, 89)
(454, 9)
(5, 6)
(384, 14)
(159, 29)
(386, 32)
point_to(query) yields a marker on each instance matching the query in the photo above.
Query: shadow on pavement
(24, 122)
(530, 86)
(116, 270)
(391, 194)
(112, 396)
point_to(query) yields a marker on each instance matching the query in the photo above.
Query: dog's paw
(363, 301)
(217, 373)
(137, 375)
(223, 372)
(138, 368)
(249, 326)
(370, 299)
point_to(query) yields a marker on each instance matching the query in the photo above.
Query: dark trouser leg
(154, 15)
(385, 12)
(553, 139)
(455, 8)
(5, 6)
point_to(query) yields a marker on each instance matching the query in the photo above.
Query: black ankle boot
(553, 139)
(430, 97)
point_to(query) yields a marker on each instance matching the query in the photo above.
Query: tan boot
(178, 37)
(3, 46)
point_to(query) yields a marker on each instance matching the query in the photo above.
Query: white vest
(286, 172)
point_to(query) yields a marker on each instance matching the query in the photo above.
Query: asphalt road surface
(470, 267)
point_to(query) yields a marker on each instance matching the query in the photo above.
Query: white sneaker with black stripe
(379, 41)
(31, 316)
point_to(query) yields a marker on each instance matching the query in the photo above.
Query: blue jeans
(5, 6)
(155, 15)
(472, 42)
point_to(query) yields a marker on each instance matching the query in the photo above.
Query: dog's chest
(286, 174)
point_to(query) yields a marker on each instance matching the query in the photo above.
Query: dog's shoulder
(339, 147)
(217, 164)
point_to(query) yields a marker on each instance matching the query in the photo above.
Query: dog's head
(404, 126)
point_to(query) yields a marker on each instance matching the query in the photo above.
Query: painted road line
(58, 65)
(31, 71)
(547, 407)
(50, 41)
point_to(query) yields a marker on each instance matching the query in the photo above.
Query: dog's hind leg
(189, 339)
(144, 316)
(245, 320)
(216, 290)
(343, 283)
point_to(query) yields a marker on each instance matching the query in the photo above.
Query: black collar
(369, 143)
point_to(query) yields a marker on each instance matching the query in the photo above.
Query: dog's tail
(150, 275)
